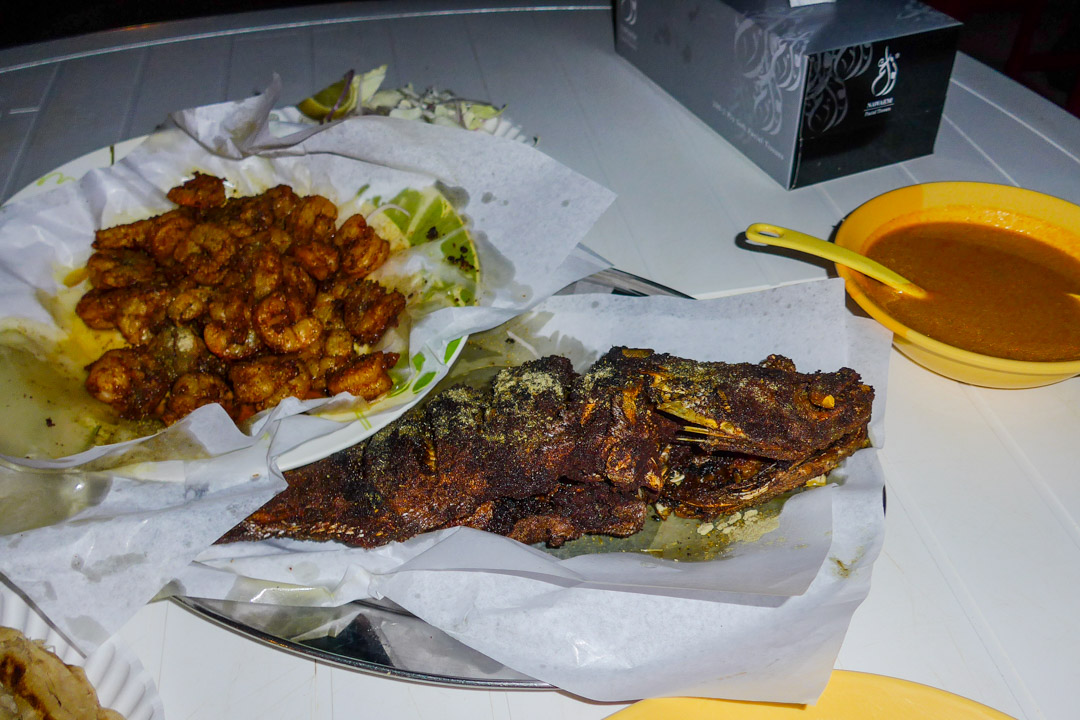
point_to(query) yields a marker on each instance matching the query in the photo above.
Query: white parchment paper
(762, 623)
(165, 499)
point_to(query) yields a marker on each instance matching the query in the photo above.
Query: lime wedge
(344, 96)
(430, 218)
(402, 208)
(413, 217)
(320, 105)
(423, 226)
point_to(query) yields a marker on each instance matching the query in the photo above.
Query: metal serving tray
(380, 637)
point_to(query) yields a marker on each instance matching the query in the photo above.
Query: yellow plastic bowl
(1053, 220)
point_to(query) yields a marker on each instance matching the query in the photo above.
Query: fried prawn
(238, 301)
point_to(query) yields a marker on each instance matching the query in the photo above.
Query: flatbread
(35, 684)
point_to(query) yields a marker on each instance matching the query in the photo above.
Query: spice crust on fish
(545, 454)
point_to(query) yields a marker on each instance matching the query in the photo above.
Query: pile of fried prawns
(543, 454)
(240, 301)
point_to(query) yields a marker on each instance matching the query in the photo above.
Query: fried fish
(544, 454)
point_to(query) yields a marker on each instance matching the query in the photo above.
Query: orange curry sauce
(992, 290)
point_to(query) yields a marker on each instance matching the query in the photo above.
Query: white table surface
(976, 589)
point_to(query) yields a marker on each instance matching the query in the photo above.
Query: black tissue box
(808, 93)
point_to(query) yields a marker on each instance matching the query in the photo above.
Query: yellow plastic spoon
(795, 240)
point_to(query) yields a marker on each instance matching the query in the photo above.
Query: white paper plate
(429, 368)
(115, 672)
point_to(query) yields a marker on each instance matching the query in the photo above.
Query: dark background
(990, 26)
(49, 19)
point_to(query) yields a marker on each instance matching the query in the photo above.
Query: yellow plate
(1052, 219)
(849, 696)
